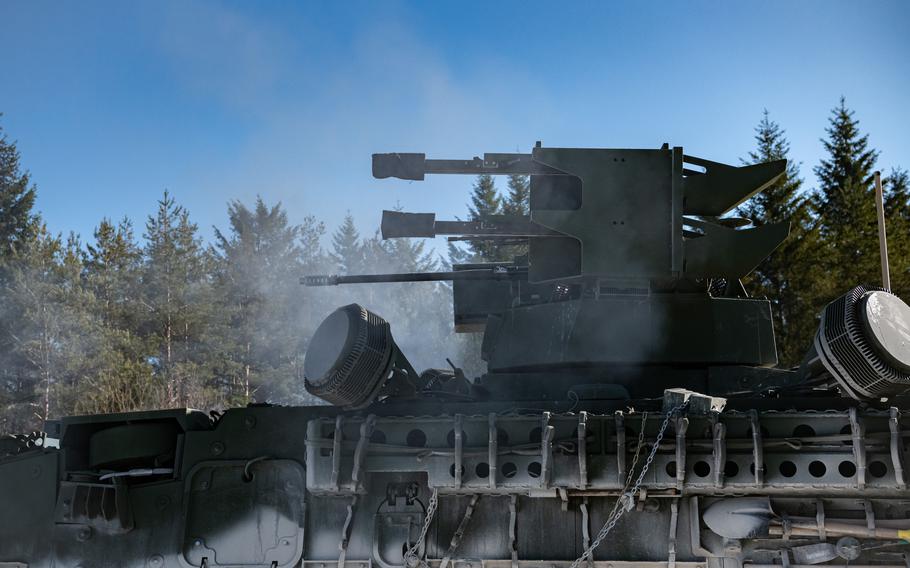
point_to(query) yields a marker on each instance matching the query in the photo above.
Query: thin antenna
(882, 235)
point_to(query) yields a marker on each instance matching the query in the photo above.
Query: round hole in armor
(378, 437)
(701, 469)
(534, 435)
(450, 438)
(878, 469)
(671, 469)
(534, 469)
(803, 431)
(731, 468)
(452, 470)
(482, 470)
(846, 468)
(417, 438)
(509, 469)
(817, 469)
(787, 468)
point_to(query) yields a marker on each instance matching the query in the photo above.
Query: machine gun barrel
(415, 166)
(397, 224)
(493, 273)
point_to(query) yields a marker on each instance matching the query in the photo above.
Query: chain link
(627, 500)
(410, 557)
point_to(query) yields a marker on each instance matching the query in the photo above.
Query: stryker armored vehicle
(632, 414)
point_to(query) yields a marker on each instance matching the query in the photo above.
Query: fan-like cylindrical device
(352, 359)
(863, 341)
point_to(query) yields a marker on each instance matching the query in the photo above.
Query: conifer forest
(145, 313)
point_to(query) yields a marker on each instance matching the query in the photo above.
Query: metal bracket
(870, 517)
(897, 457)
(493, 449)
(586, 530)
(360, 452)
(546, 450)
(720, 452)
(820, 520)
(337, 439)
(346, 531)
(671, 545)
(459, 449)
(858, 434)
(695, 531)
(513, 522)
(459, 532)
(682, 424)
(620, 448)
(582, 449)
(758, 454)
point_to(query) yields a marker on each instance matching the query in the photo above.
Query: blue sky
(112, 102)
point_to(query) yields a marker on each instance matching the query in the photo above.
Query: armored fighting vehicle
(632, 415)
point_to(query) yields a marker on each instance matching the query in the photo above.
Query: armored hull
(632, 414)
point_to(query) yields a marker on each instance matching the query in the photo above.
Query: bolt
(197, 542)
(285, 542)
(249, 422)
(156, 561)
(84, 534)
(203, 485)
(162, 502)
(217, 448)
(35, 472)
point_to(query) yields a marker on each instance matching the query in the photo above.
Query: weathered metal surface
(588, 428)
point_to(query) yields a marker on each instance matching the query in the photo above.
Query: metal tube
(882, 235)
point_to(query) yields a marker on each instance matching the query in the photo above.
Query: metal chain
(410, 557)
(627, 500)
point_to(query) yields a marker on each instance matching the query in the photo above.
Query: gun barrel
(416, 166)
(397, 224)
(493, 273)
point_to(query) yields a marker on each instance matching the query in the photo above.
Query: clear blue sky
(112, 102)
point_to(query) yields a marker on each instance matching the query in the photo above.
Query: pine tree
(55, 341)
(347, 250)
(19, 226)
(175, 294)
(845, 206)
(897, 212)
(18, 222)
(518, 201)
(785, 276)
(260, 261)
(485, 201)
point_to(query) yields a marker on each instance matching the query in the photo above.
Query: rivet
(217, 448)
(249, 422)
(156, 560)
(204, 485)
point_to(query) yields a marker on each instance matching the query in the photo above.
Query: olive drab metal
(632, 414)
